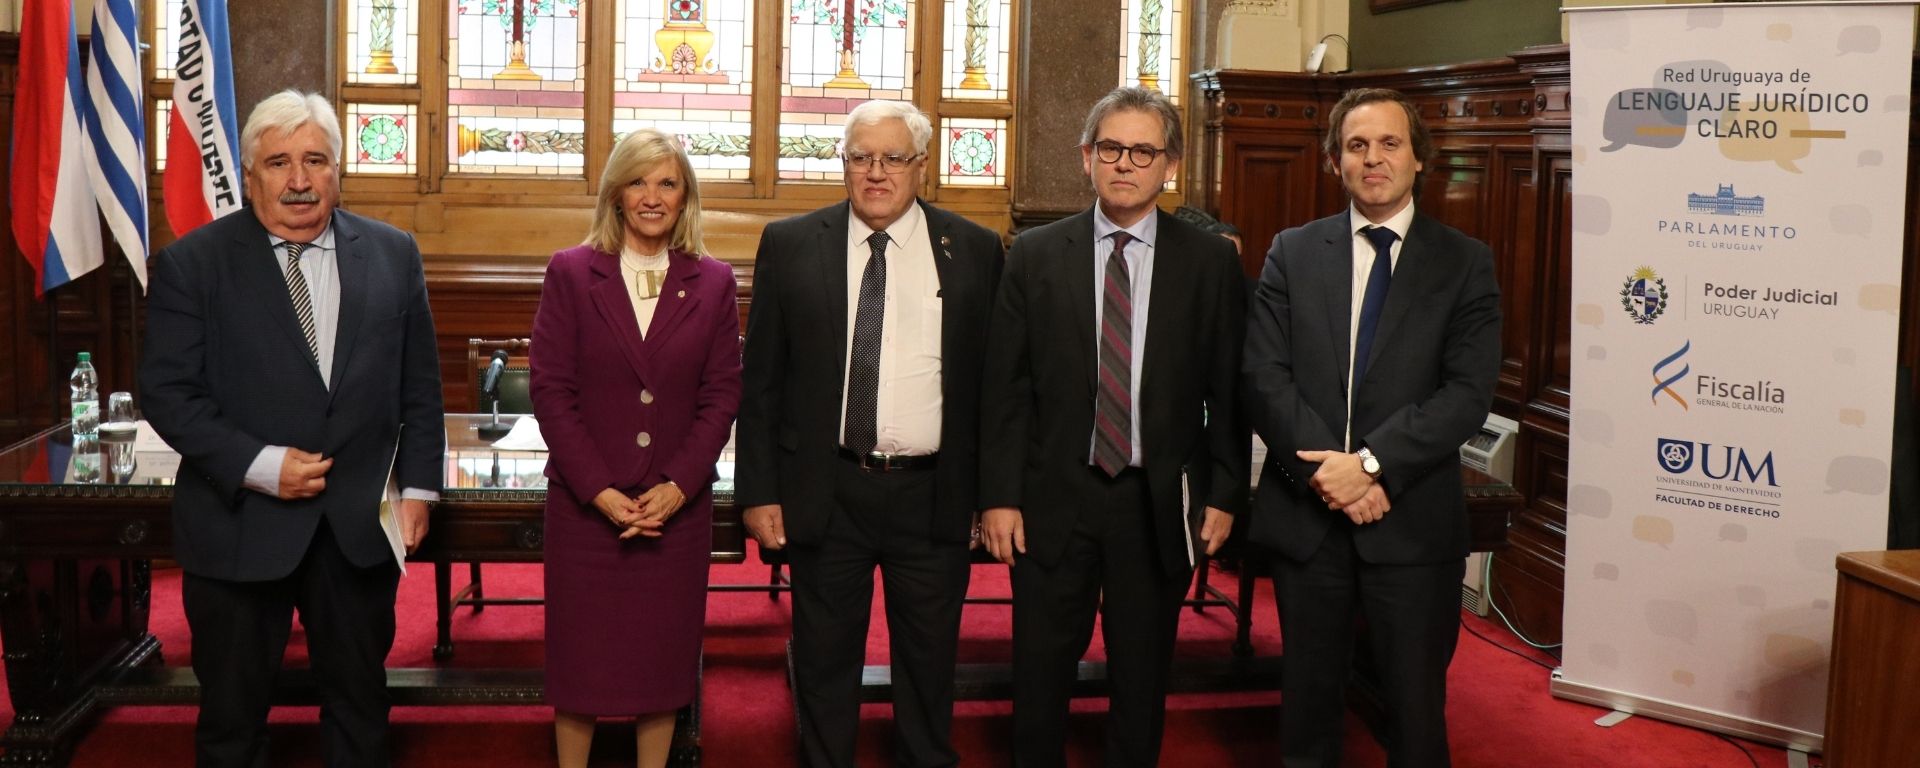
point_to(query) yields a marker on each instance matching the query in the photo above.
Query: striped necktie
(1113, 399)
(302, 299)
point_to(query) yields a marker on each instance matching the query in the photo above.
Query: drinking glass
(117, 434)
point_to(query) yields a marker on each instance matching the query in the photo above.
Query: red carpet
(1500, 712)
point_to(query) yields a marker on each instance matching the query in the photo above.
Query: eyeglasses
(862, 162)
(1141, 155)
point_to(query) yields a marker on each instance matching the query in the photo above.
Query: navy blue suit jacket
(1429, 383)
(226, 372)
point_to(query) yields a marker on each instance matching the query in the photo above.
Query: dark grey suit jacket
(1037, 411)
(795, 367)
(1436, 355)
(226, 373)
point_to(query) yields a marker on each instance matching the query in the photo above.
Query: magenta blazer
(625, 413)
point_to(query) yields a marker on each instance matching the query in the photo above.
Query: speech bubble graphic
(1880, 297)
(1870, 158)
(1606, 572)
(1590, 500)
(1604, 655)
(1703, 18)
(1780, 33)
(1653, 529)
(1856, 474)
(1843, 355)
(1750, 596)
(1859, 38)
(1596, 426)
(1753, 146)
(1658, 127)
(1853, 417)
(1592, 315)
(1592, 215)
(1683, 677)
(1672, 619)
(1850, 219)
(1733, 532)
(1816, 555)
(1784, 651)
(1596, 352)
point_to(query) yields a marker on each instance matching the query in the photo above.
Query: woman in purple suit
(635, 379)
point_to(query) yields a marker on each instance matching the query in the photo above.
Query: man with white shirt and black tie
(289, 349)
(856, 435)
(1373, 344)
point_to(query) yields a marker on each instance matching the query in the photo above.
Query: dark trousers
(1413, 623)
(240, 634)
(1112, 563)
(882, 519)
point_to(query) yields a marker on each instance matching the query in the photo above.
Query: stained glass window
(381, 139)
(974, 152)
(977, 47)
(838, 54)
(383, 42)
(686, 67)
(516, 94)
(1150, 54)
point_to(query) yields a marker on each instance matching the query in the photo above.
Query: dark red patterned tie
(1113, 399)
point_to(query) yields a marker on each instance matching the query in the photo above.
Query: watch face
(1370, 465)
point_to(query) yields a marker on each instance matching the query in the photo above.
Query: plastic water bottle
(86, 421)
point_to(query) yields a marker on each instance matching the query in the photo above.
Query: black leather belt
(888, 462)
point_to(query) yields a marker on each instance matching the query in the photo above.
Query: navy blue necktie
(1374, 301)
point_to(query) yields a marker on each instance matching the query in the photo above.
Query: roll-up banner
(1740, 197)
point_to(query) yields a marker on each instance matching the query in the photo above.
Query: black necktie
(1374, 301)
(863, 370)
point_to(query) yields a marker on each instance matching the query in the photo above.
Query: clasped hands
(643, 515)
(1345, 487)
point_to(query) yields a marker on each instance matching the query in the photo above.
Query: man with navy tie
(1373, 344)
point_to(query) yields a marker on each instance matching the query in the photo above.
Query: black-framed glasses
(862, 162)
(1141, 155)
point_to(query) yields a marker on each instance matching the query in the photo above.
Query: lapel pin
(945, 243)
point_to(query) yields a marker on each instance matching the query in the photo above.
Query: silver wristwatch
(1369, 463)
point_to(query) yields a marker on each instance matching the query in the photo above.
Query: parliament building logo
(1644, 296)
(1726, 203)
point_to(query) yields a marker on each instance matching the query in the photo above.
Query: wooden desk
(1873, 688)
(75, 590)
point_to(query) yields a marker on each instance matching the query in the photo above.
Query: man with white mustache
(289, 349)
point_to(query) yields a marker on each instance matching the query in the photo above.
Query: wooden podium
(1874, 688)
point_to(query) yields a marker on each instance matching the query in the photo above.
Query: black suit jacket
(1436, 355)
(226, 372)
(1037, 426)
(795, 367)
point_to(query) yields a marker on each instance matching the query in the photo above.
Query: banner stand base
(1797, 743)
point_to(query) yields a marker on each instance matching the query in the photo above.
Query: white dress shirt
(1362, 268)
(1139, 258)
(909, 403)
(320, 265)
